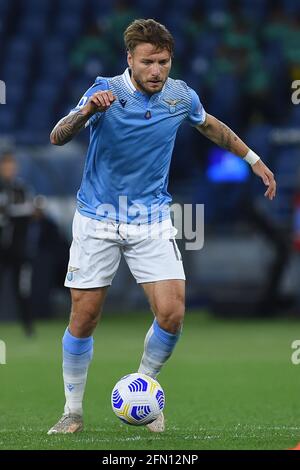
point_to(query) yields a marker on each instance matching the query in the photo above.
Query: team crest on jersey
(172, 104)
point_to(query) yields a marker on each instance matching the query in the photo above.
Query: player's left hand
(261, 170)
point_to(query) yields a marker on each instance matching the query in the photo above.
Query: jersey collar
(128, 82)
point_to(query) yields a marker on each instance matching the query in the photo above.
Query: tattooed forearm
(68, 127)
(223, 136)
(227, 136)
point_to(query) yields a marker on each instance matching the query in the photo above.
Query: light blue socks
(78, 352)
(158, 347)
(77, 355)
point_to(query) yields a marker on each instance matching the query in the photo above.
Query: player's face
(149, 67)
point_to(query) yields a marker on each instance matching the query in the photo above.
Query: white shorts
(150, 251)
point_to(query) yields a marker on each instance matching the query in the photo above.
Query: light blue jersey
(128, 159)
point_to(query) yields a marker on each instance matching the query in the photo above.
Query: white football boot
(158, 425)
(67, 424)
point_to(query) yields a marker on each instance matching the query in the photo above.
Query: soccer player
(133, 120)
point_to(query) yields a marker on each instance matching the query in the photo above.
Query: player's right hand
(99, 102)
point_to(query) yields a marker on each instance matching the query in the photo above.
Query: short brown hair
(148, 31)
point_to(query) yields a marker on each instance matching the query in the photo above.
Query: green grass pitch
(229, 385)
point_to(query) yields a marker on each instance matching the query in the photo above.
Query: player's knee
(83, 324)
(170, 317)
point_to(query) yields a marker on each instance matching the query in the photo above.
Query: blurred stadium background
(241, 56)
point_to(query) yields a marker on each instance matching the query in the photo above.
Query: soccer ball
(137, 399)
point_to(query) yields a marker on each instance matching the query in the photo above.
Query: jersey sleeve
(100, 85)
(197, 113)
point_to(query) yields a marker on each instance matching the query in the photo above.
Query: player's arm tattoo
(222, 135)
(68, 127)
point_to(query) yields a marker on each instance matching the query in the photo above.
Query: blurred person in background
(270, 301)
(133, 118)
(15, 214)
(48, 250)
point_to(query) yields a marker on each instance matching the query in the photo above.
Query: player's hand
(99, 102)
(261, 170)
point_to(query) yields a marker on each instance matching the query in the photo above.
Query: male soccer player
(133, 120)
